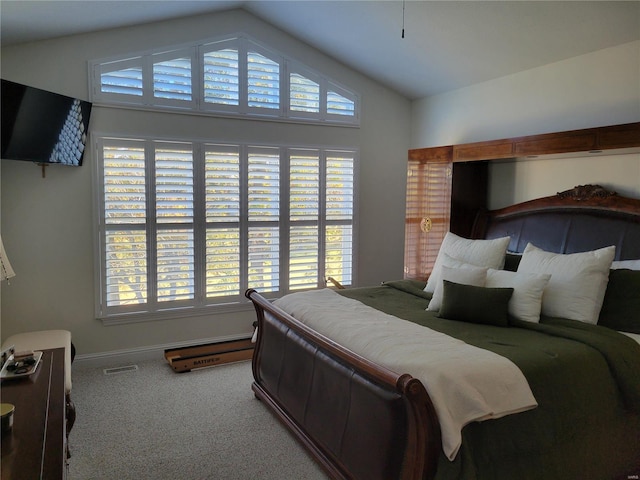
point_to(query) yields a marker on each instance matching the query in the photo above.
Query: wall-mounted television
(41, 126)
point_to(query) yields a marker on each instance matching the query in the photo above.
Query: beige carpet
(155, 424)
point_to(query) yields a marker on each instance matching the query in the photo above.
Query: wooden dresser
(36, 446)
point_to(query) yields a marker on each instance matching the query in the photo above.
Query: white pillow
(578, 281)
(482, 253)
(458, 272)
(630, 264)
(526, 301)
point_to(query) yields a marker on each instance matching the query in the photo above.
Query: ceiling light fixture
(403, 18)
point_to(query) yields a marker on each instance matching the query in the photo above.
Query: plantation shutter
(339, 105)
(172, 79)
(428, 210)
(263, 218)
(190, 224)
(174, 216)
(221, 76)
(234, 76)
(125, 250)
(304, 94)
(263, 81)
(339, 216)
(121, 78)
(222, 210)
(304, 216)
(174, 185)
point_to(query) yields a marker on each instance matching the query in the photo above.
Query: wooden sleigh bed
(361, 420)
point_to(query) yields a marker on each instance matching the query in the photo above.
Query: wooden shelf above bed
(601, 140)
(447, 185)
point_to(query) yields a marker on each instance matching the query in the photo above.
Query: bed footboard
(358, 419)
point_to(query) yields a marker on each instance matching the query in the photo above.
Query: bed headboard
(584, 218)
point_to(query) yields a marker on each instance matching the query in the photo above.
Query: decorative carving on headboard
(585, 192)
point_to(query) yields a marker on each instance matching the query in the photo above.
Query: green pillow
(621, 306)
(511, 261)
(467, 303)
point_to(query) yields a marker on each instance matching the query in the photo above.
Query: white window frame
(243, 43)
(152, 310)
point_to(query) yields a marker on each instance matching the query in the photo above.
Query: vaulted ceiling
(447, 44)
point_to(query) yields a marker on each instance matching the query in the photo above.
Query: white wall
(47, 223)
(516, 182)
(597, 89)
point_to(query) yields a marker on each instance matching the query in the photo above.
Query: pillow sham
(458, 272)
(630, 264)
(482, 253)
(526, 302)
(578, 281)
(468, 303)
(621, 306)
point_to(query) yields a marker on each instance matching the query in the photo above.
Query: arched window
(230, 76)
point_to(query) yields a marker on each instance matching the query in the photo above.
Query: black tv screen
(41, 126)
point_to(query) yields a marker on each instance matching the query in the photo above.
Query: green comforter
(586, 379)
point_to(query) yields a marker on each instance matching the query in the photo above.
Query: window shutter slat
(222, 183)
(174, 185)
(304, 94)
(264, 206)
(339, 105)
(339, 187)
(303, 257)
(304, 198)
(221, 77)
(264, 258)
(222, 206)
(223, 262)
(124, 185)
(339, 253)
(124, 82)
(172, 79)
(264, 184)
(175, 265)
(263, 81)
(304, 185)
(125, 267)
(340, 207)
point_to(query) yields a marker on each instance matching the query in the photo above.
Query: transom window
(194, 224)
(232, 76)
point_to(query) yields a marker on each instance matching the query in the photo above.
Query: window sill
(327, 122)
(173, 314)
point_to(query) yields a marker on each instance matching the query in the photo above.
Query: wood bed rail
(376, 372)
(396, 394)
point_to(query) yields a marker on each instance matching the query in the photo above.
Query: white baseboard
(116, 358)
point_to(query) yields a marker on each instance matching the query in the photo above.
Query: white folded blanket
(465, 383)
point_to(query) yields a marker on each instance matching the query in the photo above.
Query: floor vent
(125, 369)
